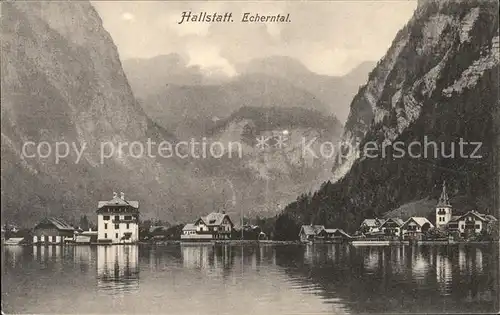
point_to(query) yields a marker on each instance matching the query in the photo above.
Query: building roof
(444, 201)
(117, 201)
(420, 221)
(312, 229)
(370, 222)
(14, 241)
(398, 221)
(215, 219)
(189, 227)
(490, 217)
(89, 233)
(481, 216)
(333, 231)
(454, 218)
(58, 223)
(158, 228)
(373, 222)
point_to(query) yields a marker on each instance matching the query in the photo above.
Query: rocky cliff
(437, 82)
(62, 81)
(444, 51)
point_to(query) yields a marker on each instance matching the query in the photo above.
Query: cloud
(127, 16)
(210, 61)
(171, 20)
(328, 37)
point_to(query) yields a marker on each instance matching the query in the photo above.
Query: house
(189, 229)
(453, 223)
(371, 226)
(158, 229)
(392, 226)
(159, 232)
(215, 226)
(443, 209)
(52, 231)
(117, 220)
(310, 232)
(414, 227)
(474, 222)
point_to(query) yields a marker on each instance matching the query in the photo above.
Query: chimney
(122, 195)
(114, 194)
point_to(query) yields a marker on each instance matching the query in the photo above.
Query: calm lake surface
(250, 279)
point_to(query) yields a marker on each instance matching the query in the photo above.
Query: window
(128, 217)
(116, 235)
(105, 226)
(117, 226)
(117, 217)
(463, 226)
(106, 217)
(478, 226)
(105, 235)
(128, 226)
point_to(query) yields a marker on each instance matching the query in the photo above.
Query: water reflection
(420, 266)
(117, 268)
(444, 273)
(415, 279)
(228, 279)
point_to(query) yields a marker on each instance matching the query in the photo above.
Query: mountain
(268, 176)
(191, 110)
(63, 82)
(437, 82)
(335, 91)
(164, 81)
(151, 76)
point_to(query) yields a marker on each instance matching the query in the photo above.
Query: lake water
(251, 279)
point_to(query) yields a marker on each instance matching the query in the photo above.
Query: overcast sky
(328, 37)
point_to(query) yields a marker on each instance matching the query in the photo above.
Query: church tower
(443, 208)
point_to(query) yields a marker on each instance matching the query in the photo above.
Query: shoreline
(271, 242)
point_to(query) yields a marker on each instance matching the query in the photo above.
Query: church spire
(443, 199)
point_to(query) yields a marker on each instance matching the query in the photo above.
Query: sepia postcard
(250, 157)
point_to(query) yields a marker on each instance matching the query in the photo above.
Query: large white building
(117, 221)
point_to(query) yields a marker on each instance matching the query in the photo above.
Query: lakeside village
(118, 223)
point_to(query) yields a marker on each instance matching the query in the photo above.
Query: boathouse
(53, 231)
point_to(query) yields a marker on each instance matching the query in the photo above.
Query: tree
(435, 233)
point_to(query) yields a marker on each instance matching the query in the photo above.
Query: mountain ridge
(438, 80)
